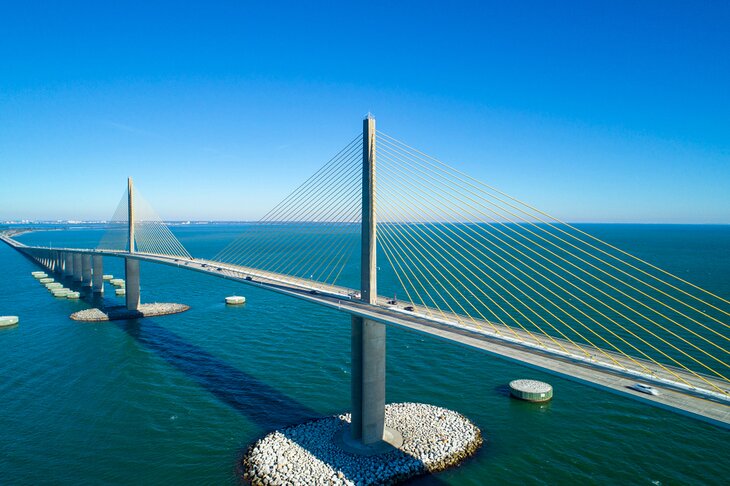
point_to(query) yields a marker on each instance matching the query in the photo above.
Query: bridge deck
(698, 396)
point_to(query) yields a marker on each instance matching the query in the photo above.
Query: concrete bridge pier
(68, 269)
(86, 270)
(368, 385)
(97, 278)
(131, 265)
(78, 277)
(131, 276)
(368, 433)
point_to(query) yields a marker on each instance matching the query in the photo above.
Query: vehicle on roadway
(640, 387)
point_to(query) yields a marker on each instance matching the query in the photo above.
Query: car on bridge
(640, 387)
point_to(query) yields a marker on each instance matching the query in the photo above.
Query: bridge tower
(131, 265)
(368, 433)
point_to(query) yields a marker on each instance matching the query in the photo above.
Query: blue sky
(591, 111)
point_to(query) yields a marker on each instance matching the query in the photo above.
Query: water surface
(176, 399)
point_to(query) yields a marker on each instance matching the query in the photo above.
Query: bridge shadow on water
(261, 403)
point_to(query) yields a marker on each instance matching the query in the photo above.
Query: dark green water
(176, 400)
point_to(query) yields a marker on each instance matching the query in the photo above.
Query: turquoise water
(177, 399)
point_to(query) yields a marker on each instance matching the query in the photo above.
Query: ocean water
(177, 399)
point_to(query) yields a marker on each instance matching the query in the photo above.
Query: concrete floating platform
(39, 275)
(235, 300)
(7, 321)
(117, 282)
(120, 292)
(54, 285)
(46, 280)
(434, 439)
(107, 277)
(120, 312)
(73, 295)
(531, 390)
(60, 292)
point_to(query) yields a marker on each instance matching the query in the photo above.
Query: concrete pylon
(97, 276)
(131, 265)
(130, 214)
(86, 270)
(78, 276)
(368, 434)
(131, 277)
(68, 266)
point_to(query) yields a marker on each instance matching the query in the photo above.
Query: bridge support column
(97, 278)
(368, 382)
(68, 269)
(131, 276)
(131, 266)
(86, 270)
(78, 276)
(368, 434)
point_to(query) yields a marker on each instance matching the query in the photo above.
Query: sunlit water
(177, 399)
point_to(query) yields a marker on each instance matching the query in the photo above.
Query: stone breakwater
(121, 312)
(434, 439)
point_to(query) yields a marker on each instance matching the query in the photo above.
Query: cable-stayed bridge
(393, 236)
